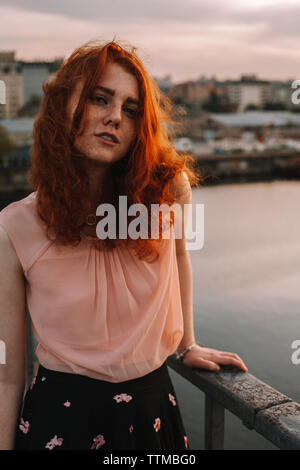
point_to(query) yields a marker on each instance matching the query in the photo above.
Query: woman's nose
(113, 115)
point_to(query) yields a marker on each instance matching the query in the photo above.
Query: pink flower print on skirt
(43, 379)
(32, 383)
(156, 425)
(122, 397)
(24, 426)
(98, 442)
(172, 399)
(67, 404)
(54, 442)
(131, 428)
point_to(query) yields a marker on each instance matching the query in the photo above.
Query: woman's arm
(13, 334)
(198, 356)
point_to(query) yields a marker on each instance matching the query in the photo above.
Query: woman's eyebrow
(111, 92)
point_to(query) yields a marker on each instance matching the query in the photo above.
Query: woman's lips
(105, 141)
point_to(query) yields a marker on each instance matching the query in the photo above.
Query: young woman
(107, 313)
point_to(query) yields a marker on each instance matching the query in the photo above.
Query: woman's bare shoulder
(8, 255)
(181, 187)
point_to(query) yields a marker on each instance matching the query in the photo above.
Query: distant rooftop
(257, 118)
(52, 65)
(247, 82)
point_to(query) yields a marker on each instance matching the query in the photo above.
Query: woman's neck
(99, 180)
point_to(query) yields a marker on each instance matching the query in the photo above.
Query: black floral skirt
(63, 411)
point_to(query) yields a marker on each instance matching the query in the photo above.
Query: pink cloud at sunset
(184, 39)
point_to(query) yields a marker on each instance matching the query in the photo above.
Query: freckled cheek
(84, 142)
(93, 115)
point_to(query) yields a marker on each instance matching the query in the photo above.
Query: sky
(184, 38)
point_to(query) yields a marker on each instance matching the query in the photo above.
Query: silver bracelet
(180, 356)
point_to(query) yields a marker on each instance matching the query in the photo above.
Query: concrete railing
(260, 407)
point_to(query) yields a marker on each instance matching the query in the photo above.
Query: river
(246, 293)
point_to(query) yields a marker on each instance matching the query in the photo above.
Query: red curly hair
(144, 175)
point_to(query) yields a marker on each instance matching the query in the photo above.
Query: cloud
(186, 38)
(280, 20)
(128, 10)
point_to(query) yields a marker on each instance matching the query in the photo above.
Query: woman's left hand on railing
(211, 359)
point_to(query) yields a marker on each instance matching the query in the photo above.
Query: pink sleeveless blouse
(105, 315)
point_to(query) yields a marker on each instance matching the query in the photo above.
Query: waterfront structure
(252, 119)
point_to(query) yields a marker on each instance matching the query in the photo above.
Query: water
(246, 293)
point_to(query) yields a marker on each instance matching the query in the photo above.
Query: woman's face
(112, 109)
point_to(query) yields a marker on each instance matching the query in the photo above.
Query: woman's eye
(101, 100)
(130, 112)
(98, 99)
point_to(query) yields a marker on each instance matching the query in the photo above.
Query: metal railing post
(214, 424)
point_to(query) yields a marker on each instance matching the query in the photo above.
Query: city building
(164, 83)
(191, 92)
(11, 75)
(282, 94)
(23, 80)
(248, 91)
(34, 74)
